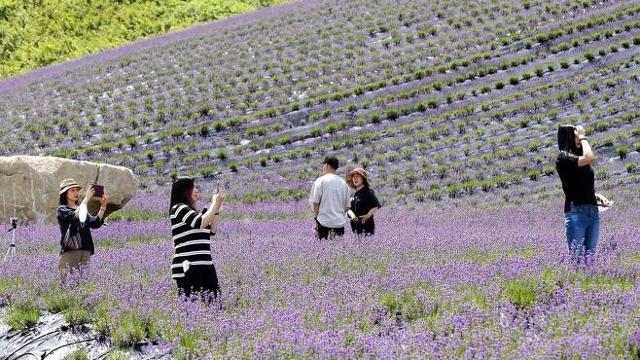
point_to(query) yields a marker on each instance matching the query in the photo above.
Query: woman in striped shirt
(192, 265)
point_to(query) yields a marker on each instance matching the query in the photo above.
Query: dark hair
(181, 191)
(567, 139)
(63, 199)
(332, 161)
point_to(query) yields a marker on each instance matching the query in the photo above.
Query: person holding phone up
(192, 265)
(76, 243)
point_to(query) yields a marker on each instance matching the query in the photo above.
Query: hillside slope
(39, 33)
(463, 100)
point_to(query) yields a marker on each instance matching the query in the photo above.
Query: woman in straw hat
(76, 243)
(364, 203)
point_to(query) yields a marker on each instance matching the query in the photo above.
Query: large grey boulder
(29, 185)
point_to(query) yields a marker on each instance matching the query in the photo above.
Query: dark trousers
(366, 229)
(327, 232)
(201, 281)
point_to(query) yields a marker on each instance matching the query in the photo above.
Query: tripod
(11, 250)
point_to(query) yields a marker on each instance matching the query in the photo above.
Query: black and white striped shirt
(192, 245)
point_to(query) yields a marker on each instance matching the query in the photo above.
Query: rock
(29, 185)
(53, 338)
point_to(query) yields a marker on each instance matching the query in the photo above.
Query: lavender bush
(455, 282)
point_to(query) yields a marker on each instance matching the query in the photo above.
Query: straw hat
(67, 184)
(360, 171)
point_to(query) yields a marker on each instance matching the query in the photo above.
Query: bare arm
(210, 217)
(315, 208)
(587, 153)
(372, 211)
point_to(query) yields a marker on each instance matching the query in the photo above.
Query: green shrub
(454, 190)
(601, 173)
(435, 194)
(534, 174)
(131, 214)
(222, 154)
(77, 354)
(22, 316)
(539, 71)
(520, 292)
(409, 305)
(118, 355)
(131, 328)
(622, 151)
(606, 141)
(631, 167)
(77, 315)
(589, 55)
(59, 300)
(392, 114)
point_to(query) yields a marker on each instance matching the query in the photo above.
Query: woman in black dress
(192, 266)
(364, 203)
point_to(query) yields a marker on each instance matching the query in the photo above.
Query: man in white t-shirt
(330, 199)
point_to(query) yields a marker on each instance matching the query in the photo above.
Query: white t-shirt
(334, 196)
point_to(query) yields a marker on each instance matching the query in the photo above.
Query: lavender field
(454, 283)
(452, 107)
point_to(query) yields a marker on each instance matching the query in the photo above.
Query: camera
(98, 190)
(14, 222)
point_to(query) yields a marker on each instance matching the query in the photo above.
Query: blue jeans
(582, 225)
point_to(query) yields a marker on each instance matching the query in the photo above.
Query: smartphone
(99, 190)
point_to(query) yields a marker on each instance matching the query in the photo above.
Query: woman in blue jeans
(581, 216)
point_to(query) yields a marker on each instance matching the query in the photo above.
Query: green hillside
(36, 33)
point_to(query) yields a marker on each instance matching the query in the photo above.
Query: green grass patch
(40, 33)
(417, 303)
(136, 215)
(59, 300)
(521, 292)
(349, 264)
(137, 239)
(118, 355)
(626, 259)
(602, 281)
(131, 328)
(77, 315)
(7, 287)
(525, 291)
(490, 256)
(22, 316)
(480, 257)
(77, 354)
(472, 294)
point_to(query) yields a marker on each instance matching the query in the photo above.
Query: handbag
(72, 241)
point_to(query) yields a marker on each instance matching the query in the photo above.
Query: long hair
(181, 191)
(567, 139)
(63, 199)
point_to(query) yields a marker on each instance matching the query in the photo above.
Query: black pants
(327, 232)
(200, 280)
(366, 229)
